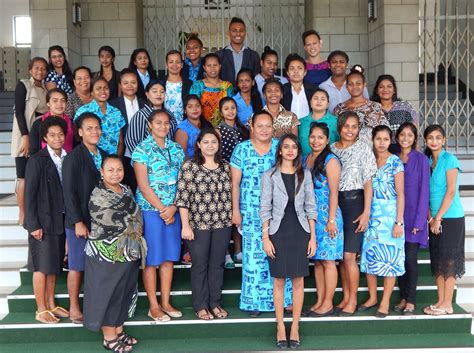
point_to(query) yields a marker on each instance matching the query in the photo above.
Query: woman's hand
(25, 146)
(187, 233)
(435, 226)
(397, 231)
(237, 218)
(312, 246)
(167, 213)
(415, 230)
(331, 228)
(81, 230)
(37, 234)
(269, 248)
(363, 221)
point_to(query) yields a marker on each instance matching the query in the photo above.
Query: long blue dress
(257, 284)
(329, 248)
(382, 254)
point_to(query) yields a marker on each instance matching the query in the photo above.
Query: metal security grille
(447, 76)
(168, 23)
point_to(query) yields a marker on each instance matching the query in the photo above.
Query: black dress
(290, 241)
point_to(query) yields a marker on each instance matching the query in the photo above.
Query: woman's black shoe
(294, 344)
(282, 344)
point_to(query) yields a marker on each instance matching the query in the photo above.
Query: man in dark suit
(237, 55)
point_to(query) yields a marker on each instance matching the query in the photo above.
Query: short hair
(111, 156)
(210, 56)
(258, 113)
(236, 20)
(322, 91)
(341, 121)
(37, 59)
(157, 112)
(294, 57)
(268, 51)
(55, 90)
(49, 122)
(155, 82)
(79, 121)
(127, 71)
(338, 53)
(195, 38)
(308, 33)
(272, 81)
(81, 68)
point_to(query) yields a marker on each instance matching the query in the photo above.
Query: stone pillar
(393, 46)
(342, 25)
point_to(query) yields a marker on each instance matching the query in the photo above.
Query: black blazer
(119, 103)
(185, 71)
(44, 202)
(80, 177)
(141, 88)
(309, 89)
(251, 61)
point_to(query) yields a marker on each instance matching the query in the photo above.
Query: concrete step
(7, 186)
(5, 136)
(8, 173)
(8, 213)
(469, 244)
(10, 254)
(5, 148)
(7, 161)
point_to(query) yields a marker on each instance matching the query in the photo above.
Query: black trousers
(208, 251)
(407, 282)
(129, 174)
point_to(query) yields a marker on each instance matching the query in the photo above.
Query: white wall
(8, 9)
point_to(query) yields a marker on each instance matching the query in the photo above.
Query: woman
(355, 197)
(396, 111)
(108, 71)
(326, 172)
(188, 131)
(335, 86)
(284, 121)
(84, 160)
(138, 125)
(247, 97)
(319, 113)
(192, 68)
(249, 161)
(59, 73)
(82, 94)
(211, 89)
(177, 87)
(446, 220)
(296, 93)
(113, 252)
(140, 62)
(318, 68)
(111, 119)
(205, 180)
(157, 161)
(269, 66)
(44, 219)
(56, 101)
(383, 246)
(288, 214)
(30, 103)
(370, 113)
(417, 185)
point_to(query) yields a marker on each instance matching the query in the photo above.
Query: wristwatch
(399, 224)
(332, 221)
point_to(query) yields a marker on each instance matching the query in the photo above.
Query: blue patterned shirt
(111, 123)
(193, 70)
(163, 166)
(97, 159)
(60, 81)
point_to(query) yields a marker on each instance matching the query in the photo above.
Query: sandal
(77, 320)
(163, 318)
(127, 339)
(219, 313)
(204, 314)
(60, 312)
(39, 317)
(439, 312)
(116, 345)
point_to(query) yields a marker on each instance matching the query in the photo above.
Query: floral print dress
(210, 97)
(382, 254)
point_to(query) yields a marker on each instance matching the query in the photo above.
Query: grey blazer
(274, 198)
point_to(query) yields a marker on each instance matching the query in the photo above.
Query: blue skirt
(76, 254)
(163, 241)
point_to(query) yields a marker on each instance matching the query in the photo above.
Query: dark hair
(255, 99)
(202, 120)
(209, 56)
(375, 96)
(198, 158)
(81, 68)
(236, 20)
(356, 70)
(97, 79)
(157, 112)
(87, 115)
(318, 166)
(413, 129)
(380, 128)
(35, 60)
(308, 33)
(133, 57)
(66, 69)
(173, 52)
(338, 53)
(55, 90)
(294, 57)
(51, 121)
(111, 156)
(195, 38)
(321, 90)
(242, 129)
(297, 162)
(342, 119)
(127, 71)
(155, 82)
(271, 81)
(268, 51)
(258, 113)
(109, 50)
(429, 130)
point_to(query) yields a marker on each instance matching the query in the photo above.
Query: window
(22, 31)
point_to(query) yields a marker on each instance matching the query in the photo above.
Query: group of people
(122, 170)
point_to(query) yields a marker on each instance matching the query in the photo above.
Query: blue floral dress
(174, 100)
(257, 285)
(329, 248)
(382, 254)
